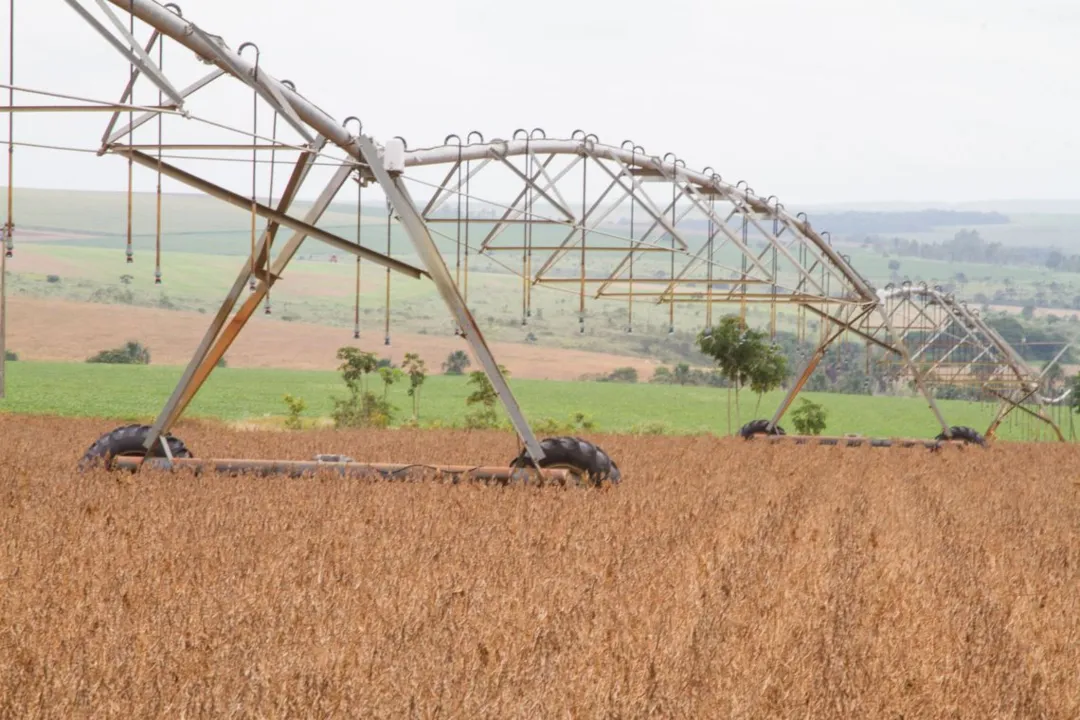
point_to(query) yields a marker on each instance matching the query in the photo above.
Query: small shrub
(581, 421)
(623, 374)
(11, 355)
(362, 408)
(52, 278)
(549, 426)
(455, 363)
(295, 406)
(221, 362)
(131, 353)
(809, 418)
(650, 428)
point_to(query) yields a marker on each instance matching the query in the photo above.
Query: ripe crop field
(720, 579)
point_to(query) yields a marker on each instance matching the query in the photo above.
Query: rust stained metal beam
(227, 335)
(80, 108)
(845, 441)
(300, 468)
(267, 212)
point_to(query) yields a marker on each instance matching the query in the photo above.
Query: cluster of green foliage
(575, 423)
(131, 353)
(296, 406)
(683, 374)
(621, 374)
(362, 408)
(483, 399)
(416, 370)
(809, 417)
(11, 355)
(745, 357)
(455, 363)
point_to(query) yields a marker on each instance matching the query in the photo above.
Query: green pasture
(137, 393)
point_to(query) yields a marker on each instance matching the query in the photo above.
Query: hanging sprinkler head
(356, 333)
(130, 255)
(387, 340)
(266, 310)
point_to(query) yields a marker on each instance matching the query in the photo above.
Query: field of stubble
(720, 579)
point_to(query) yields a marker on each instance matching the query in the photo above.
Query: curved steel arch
(626, 171)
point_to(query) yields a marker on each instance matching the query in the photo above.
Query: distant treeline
(861, 223)
(969, 246)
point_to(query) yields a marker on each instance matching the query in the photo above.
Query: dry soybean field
(720, 579)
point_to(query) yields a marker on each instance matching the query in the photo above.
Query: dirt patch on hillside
(41, 329)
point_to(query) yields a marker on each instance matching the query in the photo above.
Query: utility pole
(9, 227)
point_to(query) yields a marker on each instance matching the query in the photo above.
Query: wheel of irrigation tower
(575, 454)
(967, 434)
(759, 427)
(127, 441)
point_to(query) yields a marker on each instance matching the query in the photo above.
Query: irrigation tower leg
(920, 381)
(811, 365)
(1008, 404)
(218, 337)
(432, 259)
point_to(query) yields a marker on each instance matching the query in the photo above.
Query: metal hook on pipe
(258, 54)
(175, 8)
(353, 118)
(477, 133)
(520, 130)
(446, 140)
(543, 135)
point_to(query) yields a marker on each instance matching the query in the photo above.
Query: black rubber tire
(577, 454)
(128, 441)
(967, 434)
(759, 427)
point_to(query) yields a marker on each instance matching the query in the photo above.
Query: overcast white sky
(812, 100)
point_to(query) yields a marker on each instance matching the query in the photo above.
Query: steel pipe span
(497, 148)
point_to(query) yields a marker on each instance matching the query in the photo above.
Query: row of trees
(968, 246)
(744, 357)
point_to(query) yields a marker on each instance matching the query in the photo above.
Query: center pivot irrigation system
(598, 221)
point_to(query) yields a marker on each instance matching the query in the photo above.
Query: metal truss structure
(944, 342)
(608, 222)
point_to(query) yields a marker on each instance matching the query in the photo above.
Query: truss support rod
(1008, 405)
(256, 79)
(279, 217)
(148, 116)
(413, 222)
(850, 327)
(5, 109)
(216, 341)
(811, 365)
(129, 88)
(148, 68)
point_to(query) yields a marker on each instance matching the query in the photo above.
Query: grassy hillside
(138, 392)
